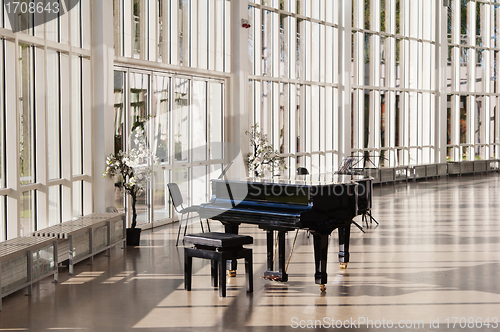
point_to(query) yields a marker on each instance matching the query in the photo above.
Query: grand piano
(319, 204)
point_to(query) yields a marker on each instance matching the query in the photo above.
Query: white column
(441, 95)
(12, 139)
(152, 28)
(41, 139)
(390, 81)
(358, 74)
(102, 110)
(128, 29)
(374, 107)
(455, 83)
(66, 146)
(471, 79)
(234, 115)
(345, 29)
(485, 107)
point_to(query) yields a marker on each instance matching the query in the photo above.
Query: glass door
(160, 123)
(182, 118)
(138, 121)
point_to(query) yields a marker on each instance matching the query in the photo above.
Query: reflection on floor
(434, 260)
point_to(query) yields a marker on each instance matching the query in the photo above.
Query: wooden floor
(432, 264)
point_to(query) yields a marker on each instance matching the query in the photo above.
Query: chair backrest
(175, 194)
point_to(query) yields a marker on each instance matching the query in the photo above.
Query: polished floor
(433, 263)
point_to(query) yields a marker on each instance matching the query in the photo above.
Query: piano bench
(218, 247)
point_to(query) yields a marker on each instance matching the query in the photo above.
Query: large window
(394, 81)
(473, 59)
(293, 87)
(392, 69)
(26, 115)
(53, 116)
(186, 33)
(45, 88)
(71, 29)
(77, 91)
(27, 207)
(183, 128)
(181, 111)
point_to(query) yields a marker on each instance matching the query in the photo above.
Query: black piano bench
(218, 247)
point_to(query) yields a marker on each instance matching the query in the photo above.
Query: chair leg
(357, 225)
(208, 225)
(186, 225)
(179, 231)
(201, 223)
(371, 218)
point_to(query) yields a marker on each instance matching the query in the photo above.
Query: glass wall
(395, 76)
(27, 206)
(184, 119)
(472, 80)
(53, 116)
(26, 115)
(139, 111)
(293, 86)
(294, 81)
(43, 96)
(188, 33)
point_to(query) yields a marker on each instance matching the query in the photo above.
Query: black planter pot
(133, 236)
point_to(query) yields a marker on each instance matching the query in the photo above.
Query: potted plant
(263, 156)
(133, 168)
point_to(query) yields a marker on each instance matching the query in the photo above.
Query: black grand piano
(319, 204)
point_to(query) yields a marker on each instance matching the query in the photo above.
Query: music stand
(223, 174)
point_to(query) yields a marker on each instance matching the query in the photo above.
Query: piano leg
(344, 234)
(231, 228)
(231, 265)
(271, 274)
(320, 258)
(281, 256)
(270, 249)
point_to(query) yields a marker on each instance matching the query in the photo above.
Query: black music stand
(356, 165)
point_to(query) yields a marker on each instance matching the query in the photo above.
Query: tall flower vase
(133, 236)
(134, 233)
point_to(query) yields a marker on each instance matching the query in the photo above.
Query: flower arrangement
(263, 157)
(133, 166)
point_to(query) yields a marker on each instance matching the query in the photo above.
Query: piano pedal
(271, 278)
(231, 273)
(343, 265)
(322, 288)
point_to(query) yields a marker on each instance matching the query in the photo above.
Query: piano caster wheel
(322, 288)
(343, 266)
(231, 273)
